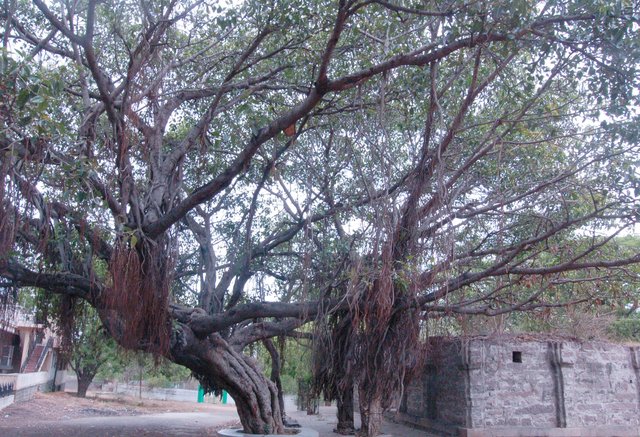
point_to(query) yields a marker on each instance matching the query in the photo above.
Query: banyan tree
(210, 175)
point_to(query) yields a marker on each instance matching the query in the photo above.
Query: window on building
(517, 356)
(6, 356)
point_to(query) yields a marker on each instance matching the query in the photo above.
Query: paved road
(325, 422)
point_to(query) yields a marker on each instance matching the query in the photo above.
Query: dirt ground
(62, 406)
(65, 415)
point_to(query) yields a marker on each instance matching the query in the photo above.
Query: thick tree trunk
(371, 414)
(344, 400)
(276, 365)
(220, 366)
(84, 380)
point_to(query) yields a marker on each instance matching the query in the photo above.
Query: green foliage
(297, 366)
(130, 366)
(295, 356)
(626, 328)
(162, 374)
(114, 368)
(91, 346)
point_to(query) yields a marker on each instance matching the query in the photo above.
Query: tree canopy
(208, 175)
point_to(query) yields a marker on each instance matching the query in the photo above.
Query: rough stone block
(598, 383)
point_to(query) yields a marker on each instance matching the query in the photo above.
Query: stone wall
(600, 384)
(25, 385)
(6, 401)
(439, 398)
(526, 382)
(25, 394)
(511, 384)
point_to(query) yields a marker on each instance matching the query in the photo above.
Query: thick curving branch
(202, 324)
(59, 282)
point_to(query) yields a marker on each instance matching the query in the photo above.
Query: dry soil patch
(65, 415)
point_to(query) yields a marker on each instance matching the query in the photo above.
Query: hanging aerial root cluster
(7, 219)
(386, 334)
(67, 308)
(333, 356)
(139, 293)
(8, 301)
(8, 294)
(7, 231)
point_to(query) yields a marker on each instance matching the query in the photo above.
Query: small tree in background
(89, 347)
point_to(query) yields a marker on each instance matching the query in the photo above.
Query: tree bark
(276, 365)
(344, 400)
(371, 415)
(84, 380)
(219, 366)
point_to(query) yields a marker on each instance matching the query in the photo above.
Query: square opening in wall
(517, 357)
